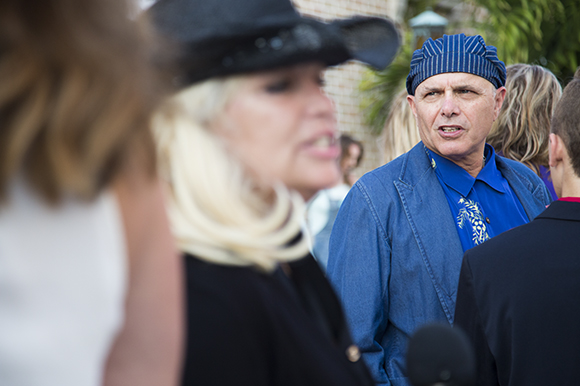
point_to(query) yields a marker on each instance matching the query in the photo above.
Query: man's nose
(450, 106)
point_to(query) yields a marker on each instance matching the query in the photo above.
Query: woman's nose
(320, 103)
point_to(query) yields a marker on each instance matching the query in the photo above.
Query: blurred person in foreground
(253, 136)
(518, 293)
(397, 242)
(322, 209)
(521, 131)
(400, 133)
(89, 278)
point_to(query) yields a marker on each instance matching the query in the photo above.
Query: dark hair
(345, 142)
(566, 120)
(76, 95)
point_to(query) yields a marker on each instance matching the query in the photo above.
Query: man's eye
(465, 91)
(279, 86)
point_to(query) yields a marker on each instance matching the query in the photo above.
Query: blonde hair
(400, 133)
(218, 212)
(521, 131)
(75, 97)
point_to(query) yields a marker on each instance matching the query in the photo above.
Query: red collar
(570, 199)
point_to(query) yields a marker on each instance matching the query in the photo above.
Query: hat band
(270, 49)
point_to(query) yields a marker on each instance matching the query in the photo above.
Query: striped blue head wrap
(456, 53)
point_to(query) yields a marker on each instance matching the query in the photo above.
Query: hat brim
(285, 41)
(373, 41)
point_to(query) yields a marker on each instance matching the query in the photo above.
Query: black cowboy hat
(225, 37)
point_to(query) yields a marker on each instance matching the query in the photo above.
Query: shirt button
(487, 220)
(353, 353)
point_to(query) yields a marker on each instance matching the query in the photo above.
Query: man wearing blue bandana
(398, 240)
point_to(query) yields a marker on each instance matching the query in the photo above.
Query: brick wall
(342, 81)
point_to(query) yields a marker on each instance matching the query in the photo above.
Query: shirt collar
(460, 180)
(569, 199)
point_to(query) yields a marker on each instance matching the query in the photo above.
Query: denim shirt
(395, 254)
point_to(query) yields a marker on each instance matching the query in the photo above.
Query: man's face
(454, 113)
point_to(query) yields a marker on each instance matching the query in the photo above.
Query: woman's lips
(325, 146)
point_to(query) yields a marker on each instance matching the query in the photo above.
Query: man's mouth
(450, 129)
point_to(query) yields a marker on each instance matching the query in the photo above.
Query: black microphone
(440, 355)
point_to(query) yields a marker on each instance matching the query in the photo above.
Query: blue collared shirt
(484, 206)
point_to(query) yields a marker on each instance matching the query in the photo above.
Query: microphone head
(440, 354)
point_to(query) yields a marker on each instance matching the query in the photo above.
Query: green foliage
(544, 32)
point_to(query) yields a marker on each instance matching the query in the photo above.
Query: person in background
(400, 133)
(518, 293)
(351, 155)
(90, 289)
(398, 239)
(322, 208)
(251, 138)
(522, 129)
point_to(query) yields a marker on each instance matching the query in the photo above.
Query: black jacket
(246, 327)
(519, 301)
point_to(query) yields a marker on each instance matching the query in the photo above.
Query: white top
(62, 289)
(318, 207)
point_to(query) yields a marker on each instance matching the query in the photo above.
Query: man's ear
(557, 150)
(499, 98)
(411, 101)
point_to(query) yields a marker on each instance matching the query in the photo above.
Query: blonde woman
(521, 132)
(400, 133)
(252, 136)
(89, 281)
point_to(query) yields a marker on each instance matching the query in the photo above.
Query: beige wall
(342, 81)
